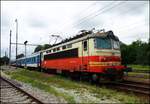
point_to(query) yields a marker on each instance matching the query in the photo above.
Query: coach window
(85, 45)
(34, 59)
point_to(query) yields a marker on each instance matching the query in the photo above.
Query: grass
(33, 78)
(140, 75)
(140, 67)
(48, 83)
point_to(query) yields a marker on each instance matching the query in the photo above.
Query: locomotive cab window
(85, 45)
(116, 44)
(106, 43)
(103, 43)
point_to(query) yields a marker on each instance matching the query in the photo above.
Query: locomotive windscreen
(106, 43)
(64, 54)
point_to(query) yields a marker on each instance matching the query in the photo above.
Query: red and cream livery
(96, 53)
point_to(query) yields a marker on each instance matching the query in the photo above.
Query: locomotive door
(85, 54)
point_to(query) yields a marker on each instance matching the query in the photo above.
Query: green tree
(20, 55)
(38, 48)
(148, 53)
(136, 53)
(124, 52)
(46, 46)
(4, 60)
(42, 47)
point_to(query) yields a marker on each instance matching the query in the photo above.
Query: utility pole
(25, 43)
(5, 58)
(16, 39)
(10, 50)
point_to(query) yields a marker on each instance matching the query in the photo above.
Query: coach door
(85, 54)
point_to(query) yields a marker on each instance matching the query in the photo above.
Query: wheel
(94, 78)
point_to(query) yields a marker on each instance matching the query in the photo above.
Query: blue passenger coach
(29, 61)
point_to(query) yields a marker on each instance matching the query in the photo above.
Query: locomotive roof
(87, 34)
(84, 35)
(108, 34)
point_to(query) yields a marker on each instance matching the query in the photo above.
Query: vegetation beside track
(138, 52)
(72, 91)
(140, 67)
(139, 75)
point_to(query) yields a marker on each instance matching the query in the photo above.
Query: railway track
(12, 93)
(141, 71)
(135, 87)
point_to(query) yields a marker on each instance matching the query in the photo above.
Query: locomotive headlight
(113, 63)
(104, 59)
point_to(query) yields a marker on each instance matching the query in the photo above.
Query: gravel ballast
(39, 94)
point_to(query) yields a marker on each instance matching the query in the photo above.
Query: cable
(93, 12)
(100, 12)
(136, 22)
(88, 7)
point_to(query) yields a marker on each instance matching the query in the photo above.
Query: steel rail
(134, 87)
(21, 90)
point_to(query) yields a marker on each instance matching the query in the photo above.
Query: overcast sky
(37, 20)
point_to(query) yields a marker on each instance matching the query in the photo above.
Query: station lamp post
(25, 43)
(10, 50)
(16, 39)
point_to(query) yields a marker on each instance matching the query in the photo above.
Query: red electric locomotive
(91, 53)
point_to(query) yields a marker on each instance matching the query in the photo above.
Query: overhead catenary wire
(100, 12)
(119, 5)
(107, 5)
(116, 5)
(132, 24)
(110, 8)
(79, 14)
(66, 22)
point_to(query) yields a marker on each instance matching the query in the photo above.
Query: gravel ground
(44, 96)
(7, 68)
(85, 96)
(39, 94)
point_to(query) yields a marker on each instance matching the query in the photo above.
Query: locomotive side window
(94, 43)
(49, 51)
(64, 47)
(85, 45)
(58, 49)
(63, 54)
(69, 46)
(54, 50)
